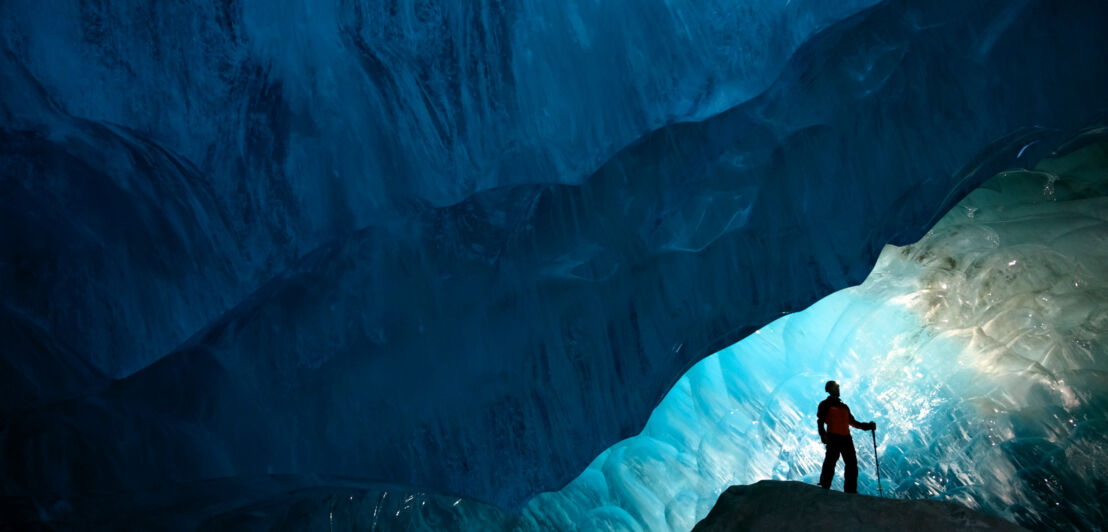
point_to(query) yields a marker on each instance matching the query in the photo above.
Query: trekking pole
(876, 463)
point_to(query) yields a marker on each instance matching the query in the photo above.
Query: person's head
(832, 388)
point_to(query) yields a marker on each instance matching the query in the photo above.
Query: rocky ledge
(778, 505)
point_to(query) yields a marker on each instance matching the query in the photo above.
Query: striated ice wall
(362, 239)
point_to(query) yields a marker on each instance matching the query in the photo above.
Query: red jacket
(836, 415)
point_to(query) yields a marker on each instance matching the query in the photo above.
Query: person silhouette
(836, 415)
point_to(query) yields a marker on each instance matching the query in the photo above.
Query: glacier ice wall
(331, 282)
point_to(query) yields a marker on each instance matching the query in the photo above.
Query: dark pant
(843, 445)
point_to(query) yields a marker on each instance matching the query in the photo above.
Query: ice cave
(546, 265)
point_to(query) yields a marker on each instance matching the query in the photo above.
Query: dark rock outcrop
(777, 505)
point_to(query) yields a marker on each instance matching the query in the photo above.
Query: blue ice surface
(434, 246)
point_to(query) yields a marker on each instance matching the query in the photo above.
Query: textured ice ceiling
(455, 245)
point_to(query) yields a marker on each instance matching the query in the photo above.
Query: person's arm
(820, 421)
(863, 426)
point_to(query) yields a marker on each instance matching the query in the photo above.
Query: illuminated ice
(981, 351)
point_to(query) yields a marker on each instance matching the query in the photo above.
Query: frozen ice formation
(435, 245)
